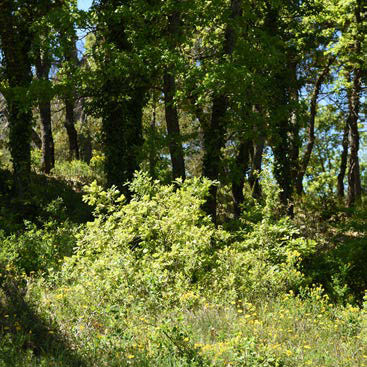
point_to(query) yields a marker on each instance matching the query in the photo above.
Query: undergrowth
(153, 282)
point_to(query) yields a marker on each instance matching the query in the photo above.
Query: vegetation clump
(183, 183)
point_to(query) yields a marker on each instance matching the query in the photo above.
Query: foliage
(79, 173)
(39, 249)
(252, 258)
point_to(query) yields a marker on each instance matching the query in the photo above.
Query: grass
(287, 331)
(90, 318)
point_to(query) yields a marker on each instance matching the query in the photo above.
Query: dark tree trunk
(44, 104)
(123, 140)
(71, 57)
(311, 127)
(214, 132)
(294, 138)
(238, 181)
(15, 44)
(19, 143)
(282, 139)
(121, 116)
(169, 88)
(354, 175)
(256, 167)
(213, 139)
(343, 160)
(85, 147)
(354, 178)
(36, 140)
(282, 144)
(152, 151)
(282, 165)
(69, 124)
(48, 151)
(173, 128)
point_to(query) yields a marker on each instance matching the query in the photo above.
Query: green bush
(78, 173)
(38, 248)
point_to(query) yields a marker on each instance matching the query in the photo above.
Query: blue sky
(84, 4)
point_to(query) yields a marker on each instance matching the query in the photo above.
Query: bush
(78, 173)
(39, 248)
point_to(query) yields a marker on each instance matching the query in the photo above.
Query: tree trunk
(19, 143)
(152, 151)
(71, 57)
(343, 160)
(213, 140)
(69, 124)
(169, 88)
(281, 111)
(36, 140)
(282, 165)
(48, 150)
(44, 104)
(311, 127)
(173, 128)
(256, 166)
(354, 178)
(15, 44)
(121, 117)
(123, 139)
(294, 120)
(238, 181)
(214, 131)
(354, 103)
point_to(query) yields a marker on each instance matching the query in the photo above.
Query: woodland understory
(183, 183)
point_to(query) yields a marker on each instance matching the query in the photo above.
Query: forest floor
(283, 293)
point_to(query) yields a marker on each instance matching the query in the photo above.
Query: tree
(123, 83)
(214, 128)
(173, 33)
(43, 61)
(16, 41)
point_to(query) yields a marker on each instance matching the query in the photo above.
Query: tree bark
(354, 103)
(71, 57)
(48, 150)
(281, 129)
(152, 152)
(256, 166)
(169, 88)
(214, 131)
(311, 127)
(123, 139)
(36, 140)
(294, 127)
(238, 181)
(43, 66)
(173, 128)
(121, 116)
(343, 160)
(354, 178)
(69, 124)
(15, 43)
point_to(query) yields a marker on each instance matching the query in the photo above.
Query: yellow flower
(130, 356)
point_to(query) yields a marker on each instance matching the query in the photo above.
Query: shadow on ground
(27, 331)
